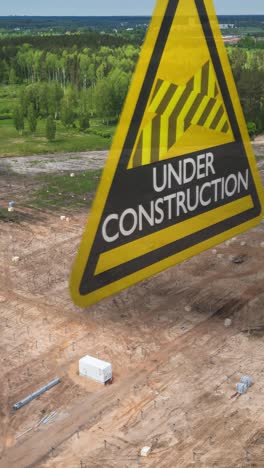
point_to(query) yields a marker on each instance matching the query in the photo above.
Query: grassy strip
(63, 191)
(71, 140)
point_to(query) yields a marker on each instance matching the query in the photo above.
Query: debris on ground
(247, 380)
(45, 420)
(238, 260)
(245, 383)
(11, 207)
(228, 323)
(241, 388)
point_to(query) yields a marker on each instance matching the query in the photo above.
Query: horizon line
(110, 16)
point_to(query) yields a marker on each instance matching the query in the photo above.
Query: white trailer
(95, 369)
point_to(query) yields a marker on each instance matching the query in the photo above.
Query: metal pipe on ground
(36, 394)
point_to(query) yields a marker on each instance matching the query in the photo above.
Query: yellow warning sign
(175, 109)
(181, 176)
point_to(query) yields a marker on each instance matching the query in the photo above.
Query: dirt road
(74, 162)
(53, 163)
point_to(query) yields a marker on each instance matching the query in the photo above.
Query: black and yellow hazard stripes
(175, 109)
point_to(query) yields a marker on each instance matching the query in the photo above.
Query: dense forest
(248, 70)
(78, 77)
(71, 84)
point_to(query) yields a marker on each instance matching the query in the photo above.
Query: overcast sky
(114, 7)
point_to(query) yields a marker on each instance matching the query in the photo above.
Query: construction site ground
(175, 363)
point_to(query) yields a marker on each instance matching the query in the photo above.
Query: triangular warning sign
(181, 176)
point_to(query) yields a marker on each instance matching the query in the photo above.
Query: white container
(95, 369)
(145, 452)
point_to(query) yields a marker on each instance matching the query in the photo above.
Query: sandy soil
(175, 364)
(50, 163)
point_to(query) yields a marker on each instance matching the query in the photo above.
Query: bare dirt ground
(175, 364)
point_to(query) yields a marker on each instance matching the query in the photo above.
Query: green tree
(18, 118)
(87, 97)
(30, 96)
(252, 128)
(251, 90)
(12, 76)
(67, 114)
(238, 58)
(120, 83)
(84, 121)
(51, 128)
(247, 42)
(55, 95)
(44, 100)
(32, 118)
(104, 98)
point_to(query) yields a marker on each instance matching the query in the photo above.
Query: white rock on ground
(15, 259)
(228, 323)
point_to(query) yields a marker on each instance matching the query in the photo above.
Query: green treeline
(25, 64)
(249, 42)
(75, 78)
(71, 85)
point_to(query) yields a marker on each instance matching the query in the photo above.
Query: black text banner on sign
(181, 176)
